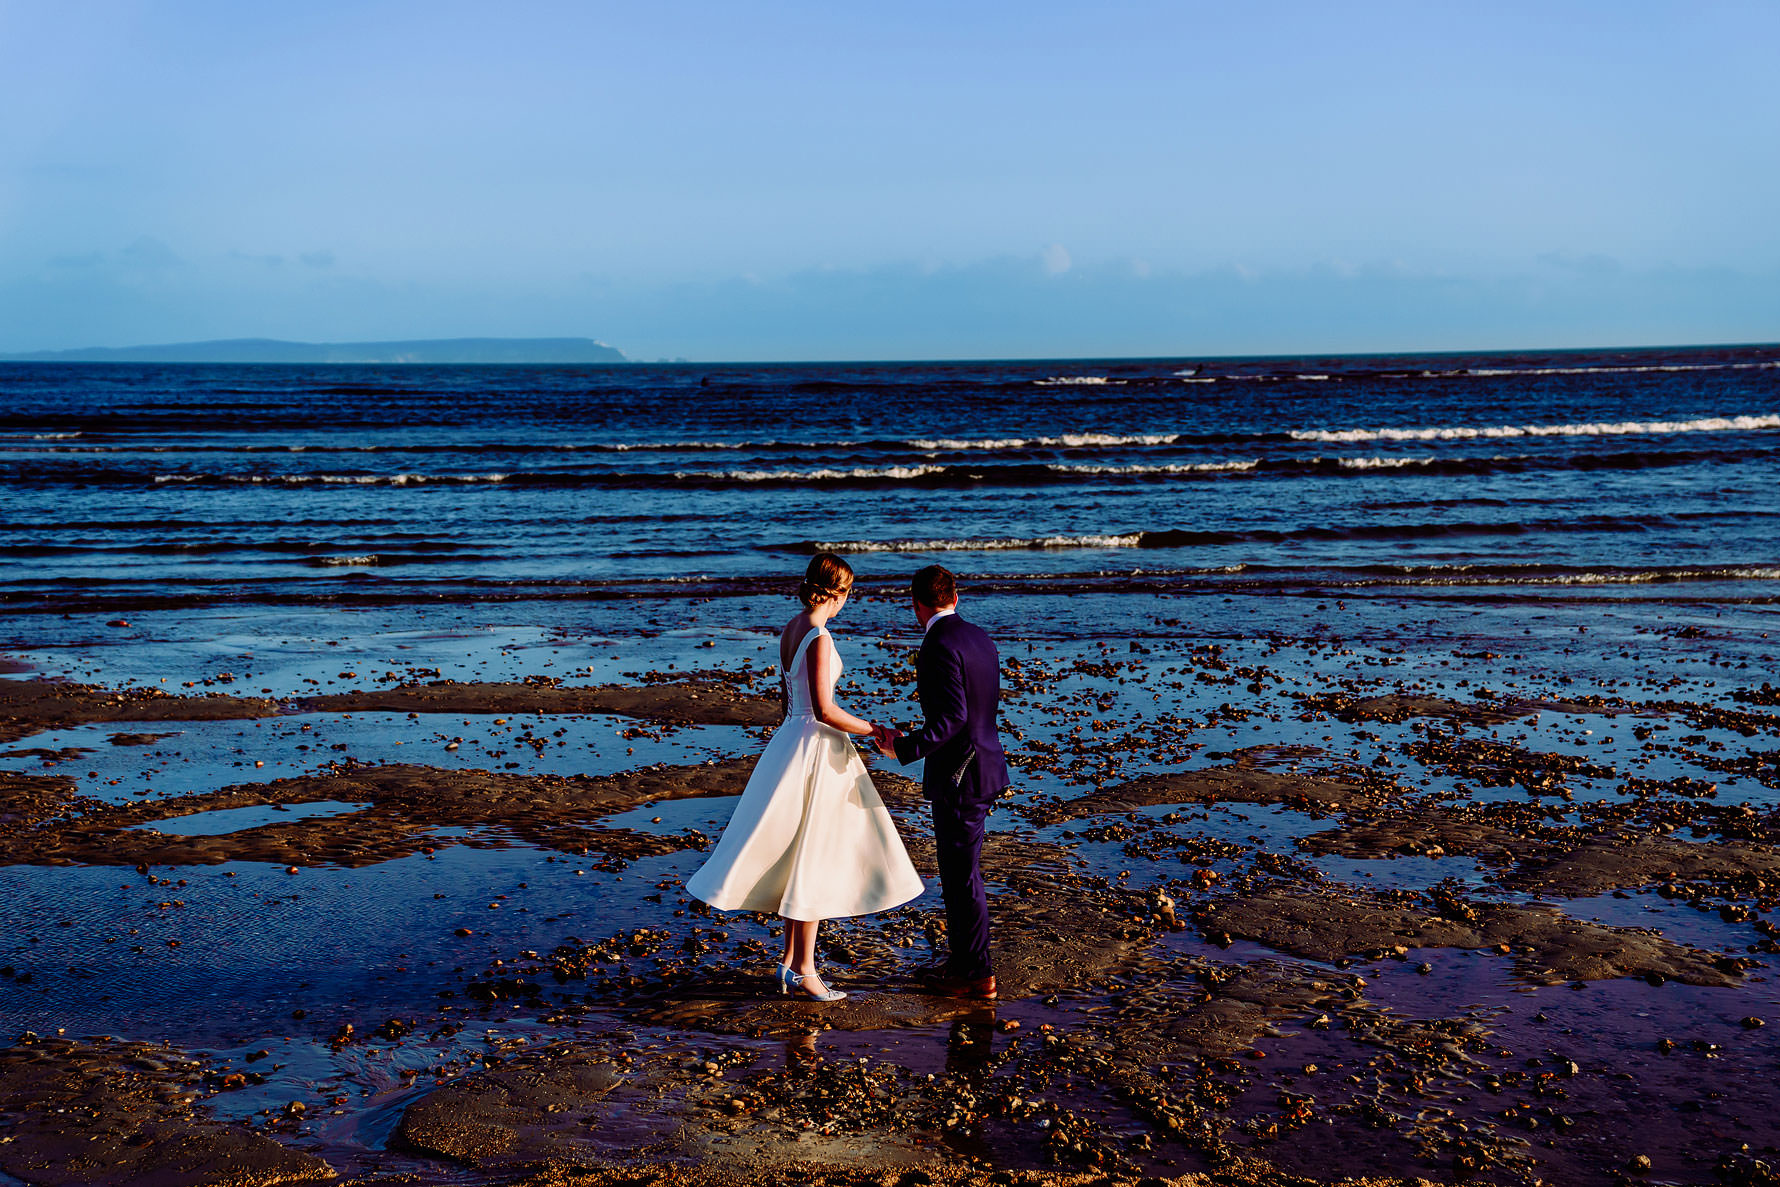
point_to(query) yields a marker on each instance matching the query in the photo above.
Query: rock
(1212, 785)
(113, 1115)
(1551, 946)
(520, 1115)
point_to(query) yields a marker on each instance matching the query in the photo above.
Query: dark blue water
(131, 486)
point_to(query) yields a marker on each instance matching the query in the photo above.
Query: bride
(810, 838)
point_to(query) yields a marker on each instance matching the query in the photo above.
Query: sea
(1179, 560)
(130, 487)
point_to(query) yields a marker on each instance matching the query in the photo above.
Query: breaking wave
(1010, 544)
(955, 473)
(1707, 424)
(1203, 538)
(328, 479)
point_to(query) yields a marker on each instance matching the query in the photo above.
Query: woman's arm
(827, 712)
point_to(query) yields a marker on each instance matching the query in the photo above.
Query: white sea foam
(1384, 463)
(1665, 368)
(1647, 577)
(1176, 468)
(330, 479)
(1078, 381)
(55, 436)
(1708, 424)
(705, 446)
(822, 475)
(993, 544)
(347, 561)
(1065, 440)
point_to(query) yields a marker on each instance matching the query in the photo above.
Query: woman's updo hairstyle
(827, 577)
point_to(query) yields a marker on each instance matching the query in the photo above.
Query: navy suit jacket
(958, 678)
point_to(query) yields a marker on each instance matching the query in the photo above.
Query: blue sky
(809, 181)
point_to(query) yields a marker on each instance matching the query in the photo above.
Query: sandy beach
(1463, 900)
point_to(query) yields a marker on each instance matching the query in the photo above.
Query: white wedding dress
(810, 837)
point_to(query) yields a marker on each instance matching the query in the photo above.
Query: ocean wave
(989, 471)
(1619, 369)
(328, 479)
(1706, 424)
(992, 544)
(1005, 473)
(331, 562)
(1233, 467)
(889, 450)
(1064, 440)
(64, 594)
(1536, 576)
(826, 474)
(925, 445)
(1174, 538)
(1078, 381)
(1364, 373)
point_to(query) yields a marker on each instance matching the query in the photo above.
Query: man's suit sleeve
(945, 707)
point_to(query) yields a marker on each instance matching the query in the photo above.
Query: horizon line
(19, 357)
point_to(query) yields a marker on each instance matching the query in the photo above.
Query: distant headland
(270, 350)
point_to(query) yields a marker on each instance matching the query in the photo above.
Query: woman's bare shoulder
(789, 638)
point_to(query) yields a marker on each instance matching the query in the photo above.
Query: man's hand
(885, 736)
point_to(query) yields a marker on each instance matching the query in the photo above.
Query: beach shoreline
(1480, 881)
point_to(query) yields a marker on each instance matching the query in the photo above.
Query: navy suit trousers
(958, 836)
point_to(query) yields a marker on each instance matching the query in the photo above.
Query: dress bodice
(797, 681)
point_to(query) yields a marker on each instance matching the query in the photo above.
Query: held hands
(885, 736)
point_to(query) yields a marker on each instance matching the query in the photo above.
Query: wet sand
(1274, 909)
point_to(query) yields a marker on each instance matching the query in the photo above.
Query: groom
(958, 678)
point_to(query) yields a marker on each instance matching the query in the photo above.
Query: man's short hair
(934, 586)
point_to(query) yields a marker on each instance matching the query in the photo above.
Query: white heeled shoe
(827, 994)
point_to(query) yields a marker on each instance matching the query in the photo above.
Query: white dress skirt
(810, 837)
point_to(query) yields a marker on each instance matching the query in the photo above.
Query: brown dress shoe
(976, 988)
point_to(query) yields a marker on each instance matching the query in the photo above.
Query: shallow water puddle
(230, 820)
(120, 762)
